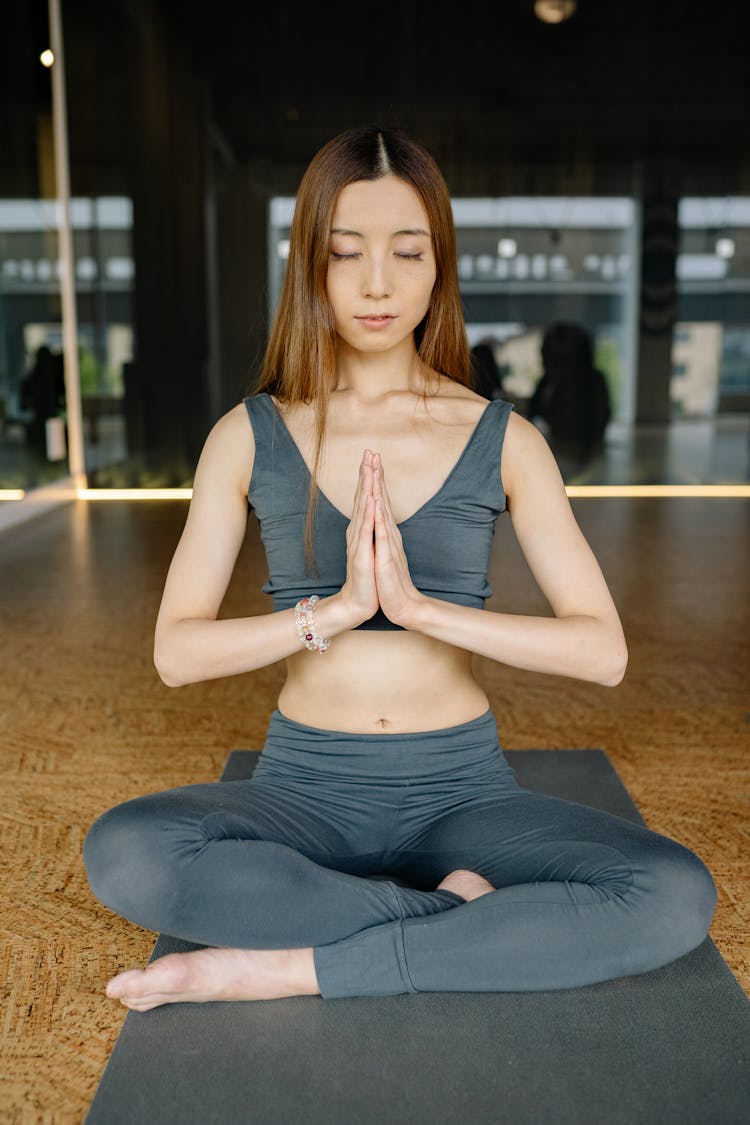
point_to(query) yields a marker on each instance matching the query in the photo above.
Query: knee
(683, 899)
(123, 854)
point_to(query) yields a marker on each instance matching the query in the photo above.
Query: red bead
(308, 636)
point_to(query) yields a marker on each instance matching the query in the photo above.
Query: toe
(132, 983)
(117, 986)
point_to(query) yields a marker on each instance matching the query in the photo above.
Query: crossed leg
(532, 893)
(251, 871)
(242, 974)
(581, 896)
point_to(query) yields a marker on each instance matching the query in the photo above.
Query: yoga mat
(669, 1046)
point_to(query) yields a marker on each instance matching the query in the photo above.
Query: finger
(383, 551)
(395, 588)
(377, 466)
(362, 531)
(368, 522)
(363, 474)
(377, 470)
(382, 537)
(387, 534)
(364, 487)
(380, 491)
(360, 565)
(383, 495)
(385, 525)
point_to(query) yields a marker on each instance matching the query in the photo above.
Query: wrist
(414, 616)
(307, 626)
(334, 615)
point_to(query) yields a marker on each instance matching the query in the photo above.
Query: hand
(359, 592)
(397, 594)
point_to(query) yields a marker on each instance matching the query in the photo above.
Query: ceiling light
(554, 11)
(725, 247)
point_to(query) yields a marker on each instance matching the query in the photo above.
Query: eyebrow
(358, 234)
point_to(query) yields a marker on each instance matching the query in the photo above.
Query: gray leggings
(280, 861)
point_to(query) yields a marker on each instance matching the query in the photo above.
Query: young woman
(377, 476)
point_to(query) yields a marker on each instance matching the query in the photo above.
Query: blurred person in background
(571, 397)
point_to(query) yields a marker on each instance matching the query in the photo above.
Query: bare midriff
(386, 682)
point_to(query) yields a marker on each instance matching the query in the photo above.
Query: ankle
(301, 969)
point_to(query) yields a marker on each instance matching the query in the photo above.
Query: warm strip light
(634, 490)
(134, 493)
(574, 490)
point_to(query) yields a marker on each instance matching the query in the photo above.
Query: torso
(386, 682)
(382, 683)
(419, 441)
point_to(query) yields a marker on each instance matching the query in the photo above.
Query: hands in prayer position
(377, 571)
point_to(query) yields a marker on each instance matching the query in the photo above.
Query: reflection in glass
(32, 393)
(711, 353)
(526, 263)
(31, 363)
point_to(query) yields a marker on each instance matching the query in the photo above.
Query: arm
(190, 644)
(584, 639)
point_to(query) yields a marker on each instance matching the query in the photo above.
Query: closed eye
(418, 257)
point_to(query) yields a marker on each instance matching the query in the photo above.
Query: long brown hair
(300, 360)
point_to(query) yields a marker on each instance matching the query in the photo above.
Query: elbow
(171, 681)
(168, 678)
(612, 671)
(168, 673)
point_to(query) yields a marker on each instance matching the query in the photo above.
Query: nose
(376, 280)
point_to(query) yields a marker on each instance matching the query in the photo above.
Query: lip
(376, 320)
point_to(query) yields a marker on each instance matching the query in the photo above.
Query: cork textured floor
(85, 723)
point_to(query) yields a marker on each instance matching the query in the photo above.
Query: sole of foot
(468, 884)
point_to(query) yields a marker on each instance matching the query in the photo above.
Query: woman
(377, 476)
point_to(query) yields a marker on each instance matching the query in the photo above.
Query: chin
(371, 346)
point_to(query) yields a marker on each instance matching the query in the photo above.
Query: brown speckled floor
(86, 723)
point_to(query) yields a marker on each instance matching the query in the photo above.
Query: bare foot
(217, 974)
(468, 884)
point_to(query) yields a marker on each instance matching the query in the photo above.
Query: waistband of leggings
(420, 753)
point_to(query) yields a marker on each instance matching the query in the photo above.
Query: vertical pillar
(658, 292)
(76, 458)
(166, 123)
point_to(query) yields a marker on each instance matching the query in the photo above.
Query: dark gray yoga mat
(669, 1046)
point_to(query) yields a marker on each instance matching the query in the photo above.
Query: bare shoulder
(229, 450)
(528, 466)
(553, 545)
(235, 424)
(524, 439)
(215, 525)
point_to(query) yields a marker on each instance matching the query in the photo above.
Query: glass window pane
(711, 353)
(32, 389)
(528, 263)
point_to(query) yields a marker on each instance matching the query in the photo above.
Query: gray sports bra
(447, 541)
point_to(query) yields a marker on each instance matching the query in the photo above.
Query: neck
(371, 375)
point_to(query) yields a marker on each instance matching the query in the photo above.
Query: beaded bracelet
(304, 620)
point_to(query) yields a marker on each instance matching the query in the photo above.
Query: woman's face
(381, 267)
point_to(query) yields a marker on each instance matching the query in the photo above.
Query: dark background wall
(200, 114)
(506, 101)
